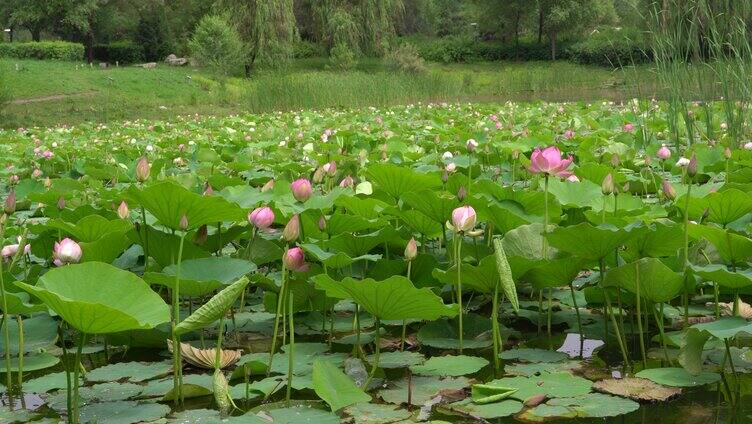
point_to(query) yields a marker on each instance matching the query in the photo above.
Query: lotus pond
(422, 263)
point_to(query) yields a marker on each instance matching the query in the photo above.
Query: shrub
(306, 49)
(217, 46)
(610, 47)
(342, 57)
(45, 50)
(120, 51)
(152, 37)
(5, 95)
(405, 58)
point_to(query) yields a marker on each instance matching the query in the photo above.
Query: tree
(217, 46)
(571, 16)
(267, 27)
(33, 15)
(152, 35)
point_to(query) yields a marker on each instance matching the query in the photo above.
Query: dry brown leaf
(204, 358)
(637, 389)
(727, 309)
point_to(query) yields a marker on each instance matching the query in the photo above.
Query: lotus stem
(6, 330)
(458, 263)
(404, 322)
(75, 417)
(146, 238)
(540, 311)
(659, 323)
(685, 259)
(177, 373)
(20, 352)
(495, 330)
(290, 352)
(617, 331)
(277, 314)
(579, 320)
(376, 354)
(639, 315)
(68, 384)
(731, 363)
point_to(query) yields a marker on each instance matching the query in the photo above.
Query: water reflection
(572, 346)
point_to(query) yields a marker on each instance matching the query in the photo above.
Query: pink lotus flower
(568, 134)
(123, 210)
(66, 252)
(348, 181)
(143, 169)
(262, 218)
(548, 161)
(668, 190)
(629, 127)
(301, 190)
(292, 229)
(663, 153)
(463, 218)
(10, 250)
(294, 259)
(573, 179)
(472, 145)
(411, 250)
(330, 168)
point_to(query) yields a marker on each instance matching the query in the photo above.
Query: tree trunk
(517, 29)
(540, 24)
(36, 34)
(552, 36)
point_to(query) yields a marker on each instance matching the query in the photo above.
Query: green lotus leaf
(396, 180)
(334, 260)
(678, 377)
(583, 194)
(91, 228)
(724, 207)
(657, 282)
(169, 202)
(199, 277)
(214, 309)
(34, 362)
(336, 388)
(482, 278)
(373, 413)
(482, 393)
(506, 277)
(534, 355)
(724, 277)
(163, 247)
(725, 328)
(97, 298)
(562, 384)
(660, 239)
(437, 206)
(393, 298)
(690, 352)
(733, 248)
(123, 412)
(450, 365)
(131, 371)
(398, 359)
(554, 273)
(486, 411)
(587, 241)
(443, 334)
(40, 332)
(20, 303)
(592, 405)
(422, 389)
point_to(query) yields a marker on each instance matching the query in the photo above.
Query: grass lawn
(48, 93)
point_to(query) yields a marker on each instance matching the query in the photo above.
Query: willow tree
(378, 19)
(266, 26)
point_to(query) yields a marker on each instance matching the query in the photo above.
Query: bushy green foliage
(49, 50)
(152, 36)
(217, 46)
(120, 51)
(609, 47)
(405, 58)
(466, 50)
(307, 49)
(5, 94)
(342, 57)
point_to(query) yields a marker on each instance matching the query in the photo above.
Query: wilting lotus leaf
(637, 389)
(214, 309)
(40, 332)
(398, 359)
(488, 411)
(336, 388)
(658, 283)
(483, 393)
(588, 242)
(372, 413)
(169, 202)
(450, 365)
(678, 377)
(725, 278)
(733, 248)
(396, 180)
(132, 371)
(593, 405)
(552, 385)
(534, 355)
(123, 412)
(98, 298)
(528, 370)
(205, 358)
(199, 277)
(393, 298)
(443, 334)
(423, 389)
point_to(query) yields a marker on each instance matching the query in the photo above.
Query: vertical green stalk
(685, 258)
(277, 314)
(495, 330)
(404, 322)
(579, 321)
(613, 319)
(6, 328)
(731, 363)
(458, 263)
(177, 362)
(146, 238)
(76, 383)
(659, 323)
(376, 355)
(290, 352)
(20, 352)
(639, 315)
(68, 384)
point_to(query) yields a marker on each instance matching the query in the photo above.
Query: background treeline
(269, 33)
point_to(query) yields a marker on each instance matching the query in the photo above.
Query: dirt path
(52, 98)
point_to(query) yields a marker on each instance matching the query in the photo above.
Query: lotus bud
(411, 250)
(10, 203)
(668, 190)
(727, 153)
(682, 162)
(143, 169)
(184, 222)
(202, 234)
(461, 193)
(47, 183)
(348, 181)
(607, 186)
(36, 173)
(451, 167)
(66, 252)
(301, 190)
(292, 229)
(122, 210)
(61, 203)
(208, 190)
(648, 160)
(472, 145)
(262, 218)
(663, 153)
(318, 175)
(322, 223)
(268, 186)
(330, 168)
(445, 176)
(463, 218)
(615, 161)
(692, 166)
(294, 259)
(625, 188)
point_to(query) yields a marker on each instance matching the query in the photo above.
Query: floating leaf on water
(534, 355)
(541, 367)
(110, 392)
(443, 334)
(123, 412)
(450, 365)
(291, 415)
(483, 393)
(371, 413)
(561, 384)
(637, 389)
(593, 405)
(131, 371)
(678, 377)
(488, 411)
(398, 359)
(423, 389)
(334, 387)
